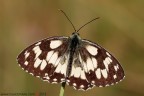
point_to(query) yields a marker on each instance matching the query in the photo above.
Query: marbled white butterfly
(77, 62)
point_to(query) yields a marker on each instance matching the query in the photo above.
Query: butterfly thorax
(74, 40)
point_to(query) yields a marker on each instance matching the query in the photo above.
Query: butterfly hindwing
(45, 58)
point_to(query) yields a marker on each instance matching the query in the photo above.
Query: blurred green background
(120, 30)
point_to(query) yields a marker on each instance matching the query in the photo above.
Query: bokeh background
(120, 30)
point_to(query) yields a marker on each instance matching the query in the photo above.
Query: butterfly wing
(46, 59)
(94, 66)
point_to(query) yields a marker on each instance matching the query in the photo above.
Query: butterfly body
(73, 46)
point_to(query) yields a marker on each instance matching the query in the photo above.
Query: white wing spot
(72, 71)
(114, 76)
(107, 85)
(49, 54)
(94, 62)
(46, 76)
(85, 67)
(55, 79)
(43, 65)
(31, 74)
(62, 79)
(38, 43)
(81, 86)
(38, 76)
(57, 62)
(77, 72)
(63, 68)
(26, 63)
(61, 65)
(110, 60)
(55, 44)
(100, 86)
(26, 54)
(58, 69)
(116, 67)
(83, 75)
(80, 59)
(37, 63)
(68, 81)
(54, 82)
(53, 58)
(92, 50)
(37, 51)
(98, 73)
(104, 73)
(22, 68)
(93, 82)
(106, 62)
(90, 64)
(74, 84)
(108, 54)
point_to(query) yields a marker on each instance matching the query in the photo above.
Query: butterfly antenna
(87, 23)
(68, 19)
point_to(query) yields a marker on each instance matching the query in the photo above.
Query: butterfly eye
(73, 33)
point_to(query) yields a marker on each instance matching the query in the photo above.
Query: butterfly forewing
(94, 66)
(45, 58)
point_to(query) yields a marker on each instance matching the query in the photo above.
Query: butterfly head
(75, 35)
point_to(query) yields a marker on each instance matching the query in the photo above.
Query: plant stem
(62, 89)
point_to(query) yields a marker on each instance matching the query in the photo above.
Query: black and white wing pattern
(94, 66)
(85, 66)
(46, 59)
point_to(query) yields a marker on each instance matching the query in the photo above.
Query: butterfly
(78, 62)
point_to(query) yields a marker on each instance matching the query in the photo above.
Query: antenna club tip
(60, 10)
(97, 18)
